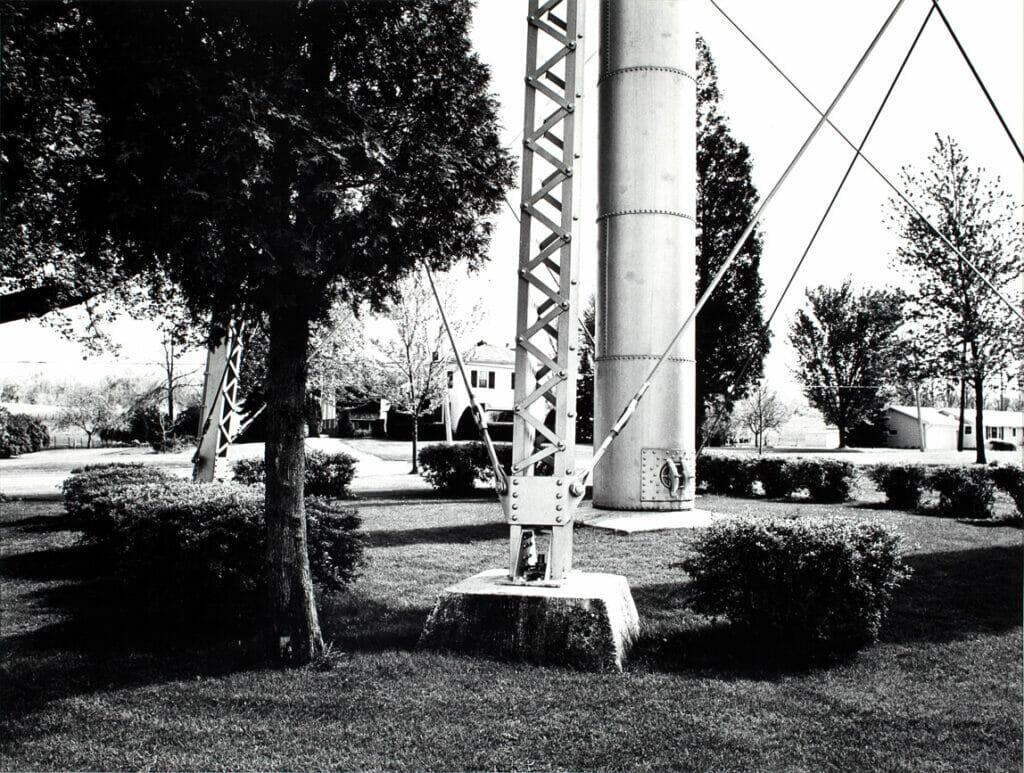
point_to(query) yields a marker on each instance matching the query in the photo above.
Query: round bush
(21, 434)
(731, 475)
(451, 468)
(1011, 480)
(779, 477)
(964, 492)
(902, 484)
(826, 480)
(191, 556)
(816, 587)
(327, 475)
(92, 494)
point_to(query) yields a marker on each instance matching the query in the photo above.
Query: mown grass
(940, 691)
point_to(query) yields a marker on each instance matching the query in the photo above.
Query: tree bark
(415, 444)
(293, 626)
(979, 428)
(960, 429)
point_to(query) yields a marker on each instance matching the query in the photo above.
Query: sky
(817, 44)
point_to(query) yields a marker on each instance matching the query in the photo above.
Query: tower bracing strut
(221, 413)
(540, 500)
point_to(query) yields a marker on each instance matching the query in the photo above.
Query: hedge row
(21, 434)
(183, 554)
(327, 475)
(807, 588)
(823, 480)
(960, 491)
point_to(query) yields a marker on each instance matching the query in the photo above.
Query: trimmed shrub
(732, 475)
(192, 556)
(92, 494)
(826, 480)
(21, 434)
(779, 477)
(814, 587)
(451, 468)
(964, 492)
(455, 468)
(902, 484)
(1001, 445)
(327, 475)
(1011, 480)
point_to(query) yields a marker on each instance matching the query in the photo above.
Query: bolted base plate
(589, 622)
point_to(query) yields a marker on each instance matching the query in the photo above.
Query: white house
(491, 371)
(1007, 426)
(903, 430)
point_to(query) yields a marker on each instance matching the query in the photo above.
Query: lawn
(940, 691)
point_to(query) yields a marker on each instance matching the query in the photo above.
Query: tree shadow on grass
(354, 623)
(42, 524)
(956, 595)
(456, 534)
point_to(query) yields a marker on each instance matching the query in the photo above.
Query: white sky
(817, 44)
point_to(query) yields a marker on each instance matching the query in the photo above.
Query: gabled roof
(488, 354)
(932, 416)
(991, 418)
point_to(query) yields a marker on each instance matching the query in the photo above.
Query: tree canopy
(730, 328)
(259, 160)
(848, 351)
(968, 331)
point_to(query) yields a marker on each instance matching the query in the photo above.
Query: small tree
(93, 409)
(962, 321)
(848, 349)
(585, 375)
(761, 412)
(416, 355)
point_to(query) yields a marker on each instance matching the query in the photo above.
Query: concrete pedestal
(589, 622)
(628, 522)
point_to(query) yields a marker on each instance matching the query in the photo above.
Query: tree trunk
(293, 628)
(842, 435)
(979, 428)
(960, 431)
(170, 384)
(415, 444)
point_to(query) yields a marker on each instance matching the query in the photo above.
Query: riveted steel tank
(646, 251)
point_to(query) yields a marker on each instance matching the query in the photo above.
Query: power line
(977, 77)
(960, 256)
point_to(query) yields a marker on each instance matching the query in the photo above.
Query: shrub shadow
(75, 562)
(41, 524)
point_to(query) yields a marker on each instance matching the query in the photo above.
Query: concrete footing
(628, 521)
(589, 622)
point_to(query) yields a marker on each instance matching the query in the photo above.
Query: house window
(968, 429)
(490, 379)
(451, 379)
(472, 378)
(514, 384)
(1001, 433)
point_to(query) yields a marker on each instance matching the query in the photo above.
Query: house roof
(485, 353)
(991, 418)
(932, 416)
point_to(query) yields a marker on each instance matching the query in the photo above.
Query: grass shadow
(41, 524)
(353, 622)
(75, 562)
(459, 535)
(958, 594)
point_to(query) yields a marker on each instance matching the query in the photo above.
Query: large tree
(267, 157)
(730, 328)
(965, 326)
(848, 350)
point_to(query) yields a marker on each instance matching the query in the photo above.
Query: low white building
(904, 431)
(1007, 426)
(492, 375)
